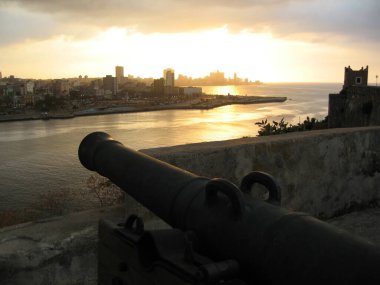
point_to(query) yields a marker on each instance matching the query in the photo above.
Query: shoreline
(207, 105)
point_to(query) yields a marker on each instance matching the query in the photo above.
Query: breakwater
(215, 101)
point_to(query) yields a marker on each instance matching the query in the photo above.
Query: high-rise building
(119, 71)
(169, 77)
(110, 84)
(217, 78)
(158, 87)
(1, 75)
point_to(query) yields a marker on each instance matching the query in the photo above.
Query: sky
(267, 40)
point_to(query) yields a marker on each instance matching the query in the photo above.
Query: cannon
(217, 232)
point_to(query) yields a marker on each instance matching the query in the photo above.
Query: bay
(41, 156)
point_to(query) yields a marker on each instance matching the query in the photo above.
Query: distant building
(96, 84)
(169, 77)
(29, 86)
(355, 77)
(184, 80)
(217, 78)
(61, 87)
(119, 71)
(76, 83)
(110, 84)
(6, 90)
(171, 91)
(2, 89)
(190, 91)
(43, 88)
(10, 90)
(97, 87)
(1, 75)
(158, 87)
(29, 99)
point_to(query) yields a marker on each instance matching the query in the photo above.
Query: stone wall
(355, 106)
(324, 173)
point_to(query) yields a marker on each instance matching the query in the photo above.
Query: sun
(193, 54)
(256, 56)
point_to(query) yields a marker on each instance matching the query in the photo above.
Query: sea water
(41, 156)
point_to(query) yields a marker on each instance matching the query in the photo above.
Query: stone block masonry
(59, 250)
(355, 106)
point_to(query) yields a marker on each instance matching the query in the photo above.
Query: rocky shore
(128, 108)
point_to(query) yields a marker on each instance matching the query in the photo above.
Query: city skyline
(271, 41)
(119, 73)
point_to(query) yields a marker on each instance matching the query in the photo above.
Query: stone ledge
(59, 250)
(288, 137)
(365, 224)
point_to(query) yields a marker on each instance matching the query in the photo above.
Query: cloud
(17, 25)
(319, 20)
(353, 20)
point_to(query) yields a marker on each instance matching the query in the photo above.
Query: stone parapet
(324, 173)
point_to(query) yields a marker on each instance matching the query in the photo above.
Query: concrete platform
(365, 223)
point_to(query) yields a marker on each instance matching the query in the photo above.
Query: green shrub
(282, 127)
(99, 191)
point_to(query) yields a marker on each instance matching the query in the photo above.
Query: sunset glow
(40, 44)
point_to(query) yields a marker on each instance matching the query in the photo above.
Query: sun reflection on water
(225, 90)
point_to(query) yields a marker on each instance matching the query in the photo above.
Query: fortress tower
(357, 105)
(355, 77)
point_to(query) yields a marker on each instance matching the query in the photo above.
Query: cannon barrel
(271, 244)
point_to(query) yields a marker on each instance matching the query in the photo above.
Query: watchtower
(355, 77)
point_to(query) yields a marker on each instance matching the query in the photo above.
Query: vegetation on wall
(105, 192)
(99, 192)
(282, 127)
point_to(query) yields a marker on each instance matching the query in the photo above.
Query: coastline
(204, 105)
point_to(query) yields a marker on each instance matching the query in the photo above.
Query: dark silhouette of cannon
(219, 233)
